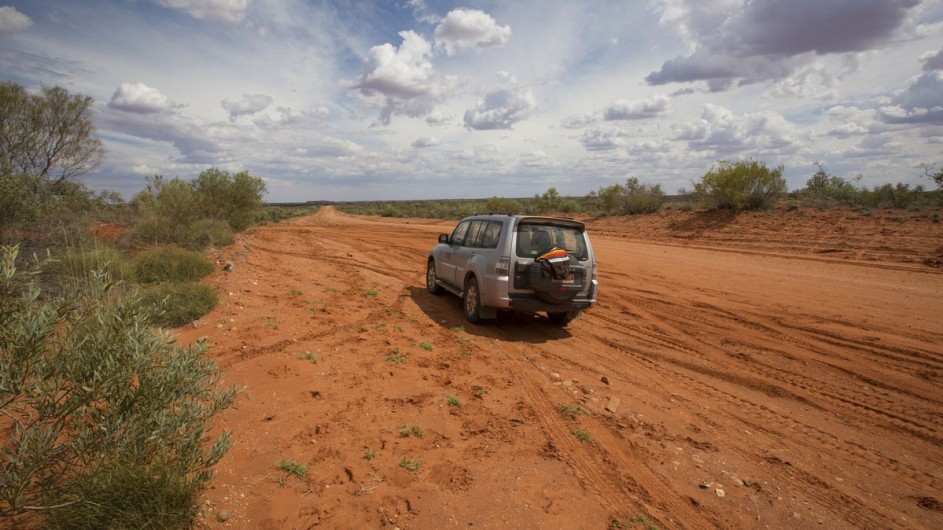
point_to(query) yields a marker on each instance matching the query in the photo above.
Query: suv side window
(471, 238)
(490, 234)
(458, 235)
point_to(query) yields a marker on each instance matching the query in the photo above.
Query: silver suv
(526, 263)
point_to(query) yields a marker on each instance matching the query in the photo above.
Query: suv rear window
(536, 239)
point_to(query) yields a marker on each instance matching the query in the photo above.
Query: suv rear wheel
(471, 301)
(431, 278)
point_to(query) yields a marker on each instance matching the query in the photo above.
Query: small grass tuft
(453, 401)
(583, 436)
(309, 356)
(410, 465)
(425, 345)
(369, 453)
(292, 468)
(573, 411)
(396, 357)
(405, 431)
(372, 293)
(170, 265)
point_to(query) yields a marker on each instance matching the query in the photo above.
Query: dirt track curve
(777, 370)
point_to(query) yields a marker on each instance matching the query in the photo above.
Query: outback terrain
(768, 370)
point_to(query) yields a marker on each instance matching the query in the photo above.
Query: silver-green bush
(105, 419)
(743, 185)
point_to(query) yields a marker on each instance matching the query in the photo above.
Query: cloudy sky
(418, 99)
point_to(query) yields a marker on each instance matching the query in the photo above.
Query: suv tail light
(502, 267)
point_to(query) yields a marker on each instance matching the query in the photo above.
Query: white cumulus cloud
(501, 109)
(637, 110)
(425, 141)
(403, 78)
(470, 28)
(12, 21)
(139, 99)
(248, 104)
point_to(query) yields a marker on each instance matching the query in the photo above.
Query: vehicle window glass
(458, 235)
(474, 230)
(536, 239)
(490, 234)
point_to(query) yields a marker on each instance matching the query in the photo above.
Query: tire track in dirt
(695, 376)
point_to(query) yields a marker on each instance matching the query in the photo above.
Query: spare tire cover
(551, 291)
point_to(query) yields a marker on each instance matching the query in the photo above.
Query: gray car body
(455, 261)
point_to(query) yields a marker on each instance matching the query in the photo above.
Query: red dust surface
(763, 370)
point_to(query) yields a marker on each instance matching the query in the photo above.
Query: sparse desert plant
(573, 411)
(169, 264)
(292, 468)
(410, 465)
(425, 345)
(405, 431)
(74, 267)
(177, 304)
(308, 356)
(824, 189)
(369, 453)
(106, 418)
(744, 185)
(583, 436)
(453, 401)
(396, 358)
(371, 293)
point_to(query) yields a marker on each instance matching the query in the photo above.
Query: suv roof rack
(495, 213)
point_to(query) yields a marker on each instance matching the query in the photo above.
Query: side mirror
(444, 238)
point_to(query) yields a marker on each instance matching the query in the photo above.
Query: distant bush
(894, 196)
(744, 185)
(629, 199)
(824, 190)
(170, 265)
(177, 304)
(236, 199)
(430, 209)
(500, 204)
(273, 213)
(104, 419)
(196, 214)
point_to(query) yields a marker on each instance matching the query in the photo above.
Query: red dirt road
(776, 370)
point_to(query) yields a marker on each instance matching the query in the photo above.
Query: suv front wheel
(431, 279)
(471, 301)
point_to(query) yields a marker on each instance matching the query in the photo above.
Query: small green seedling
(292, 468)
(410, 465)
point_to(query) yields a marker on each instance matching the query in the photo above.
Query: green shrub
(893, 196)
(500, 204)
(176, 304)
(170, 264)
(76, 266)
(105, 419)
(236, 199)
(274, 213)
(207, 233)
(744, 185)
(825, 190)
